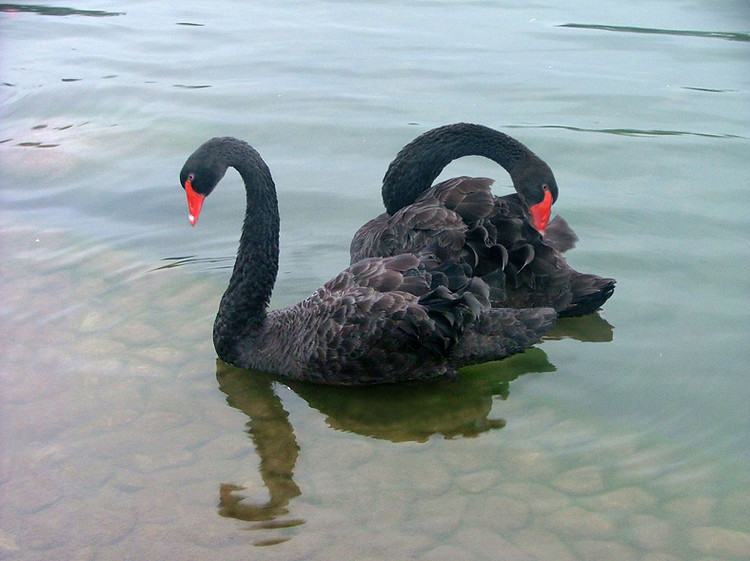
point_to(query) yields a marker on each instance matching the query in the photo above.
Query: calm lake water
(621, 436)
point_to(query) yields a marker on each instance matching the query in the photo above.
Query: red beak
(540, 212)
(195, 202)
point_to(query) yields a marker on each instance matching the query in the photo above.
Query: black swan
(380, 320)
(507, 241)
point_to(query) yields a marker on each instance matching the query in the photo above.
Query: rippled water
(620, 436)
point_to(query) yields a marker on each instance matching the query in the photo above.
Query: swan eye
(545, 187)
(191, 177)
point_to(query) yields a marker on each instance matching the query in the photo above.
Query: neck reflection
(274, 440)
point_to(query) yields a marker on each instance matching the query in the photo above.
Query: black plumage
(383, 319)
(461, 219)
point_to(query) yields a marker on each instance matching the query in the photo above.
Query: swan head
(536, 185)
(201, 173)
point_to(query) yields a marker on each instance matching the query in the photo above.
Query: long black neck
(242, 312)
(419, 163)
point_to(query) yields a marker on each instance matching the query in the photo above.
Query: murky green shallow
(117, 440)
(621, 436)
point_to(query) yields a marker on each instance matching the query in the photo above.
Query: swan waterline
(508, 240)
(382, 320)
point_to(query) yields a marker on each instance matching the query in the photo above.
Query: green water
(620, 436)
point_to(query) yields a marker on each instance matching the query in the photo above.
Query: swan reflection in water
(413, 411)
(272, 434)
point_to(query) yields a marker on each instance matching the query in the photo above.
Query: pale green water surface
(621, 436)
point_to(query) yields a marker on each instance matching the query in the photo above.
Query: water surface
(621, 436)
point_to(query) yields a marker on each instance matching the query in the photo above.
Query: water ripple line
(630, 132)
(726, 35)
(56, 11)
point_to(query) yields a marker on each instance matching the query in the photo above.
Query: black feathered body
(387, 320)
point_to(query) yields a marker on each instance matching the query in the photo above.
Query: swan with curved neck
(461, 219)
(380, 320)
(420, 162)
